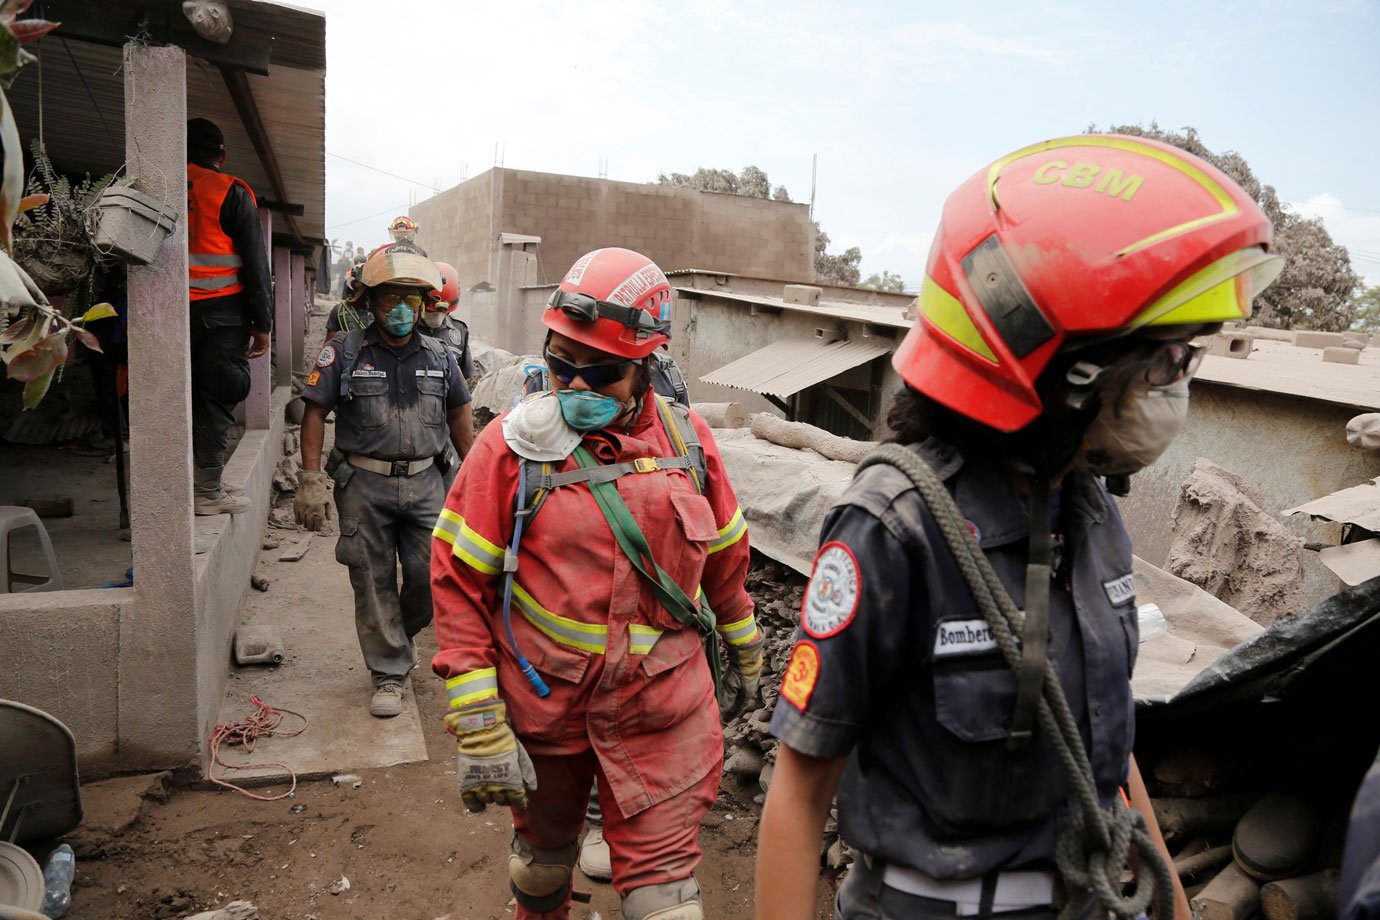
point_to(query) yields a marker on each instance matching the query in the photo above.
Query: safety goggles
(1160, 365)
(595, 375)
(390, 299)
(587, 309)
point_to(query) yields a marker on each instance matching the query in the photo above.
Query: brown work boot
(387, 700)
(210, 497)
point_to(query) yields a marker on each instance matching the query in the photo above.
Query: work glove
(312, 504)
(493, 766)
(744, 674)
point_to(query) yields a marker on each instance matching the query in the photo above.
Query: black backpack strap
(667, 378)
(349, 344)
(676, 418)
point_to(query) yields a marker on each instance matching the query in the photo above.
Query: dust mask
(434, 319)
(1130, 434)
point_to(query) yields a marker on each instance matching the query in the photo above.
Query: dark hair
(205, 142)
(1047, 443)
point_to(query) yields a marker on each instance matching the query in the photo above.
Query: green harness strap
(634, 543)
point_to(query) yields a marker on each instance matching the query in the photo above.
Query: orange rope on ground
(264, 722)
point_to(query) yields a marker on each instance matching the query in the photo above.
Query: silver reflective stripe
(214, 261)
(213, 284)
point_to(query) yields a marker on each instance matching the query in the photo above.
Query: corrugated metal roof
(877, 314)
(84, 137)
(786, 367)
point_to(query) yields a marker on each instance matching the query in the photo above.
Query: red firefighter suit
(632, 700)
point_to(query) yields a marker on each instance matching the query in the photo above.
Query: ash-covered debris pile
(750, 749)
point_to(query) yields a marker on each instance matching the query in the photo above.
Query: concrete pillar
(157, 695)
(301, 299)
(261, 368)
(283, 313)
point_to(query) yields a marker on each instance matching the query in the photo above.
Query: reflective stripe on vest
(212, 261)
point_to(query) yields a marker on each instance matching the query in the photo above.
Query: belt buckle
(646, 465)
(400, 468)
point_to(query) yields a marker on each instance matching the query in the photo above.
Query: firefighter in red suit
(578, 650)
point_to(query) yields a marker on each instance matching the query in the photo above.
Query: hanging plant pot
(129, 225)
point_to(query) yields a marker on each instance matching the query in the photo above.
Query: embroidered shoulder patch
(963, 637)
(313, 378)
(1120, 590)
(831, 598)
(327, 356)
(802, 673)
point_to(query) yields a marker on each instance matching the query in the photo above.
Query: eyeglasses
(596, 375)
(390, 299)
(1172, 362)
(1160, 365)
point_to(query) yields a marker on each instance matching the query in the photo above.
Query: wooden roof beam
(243, 97)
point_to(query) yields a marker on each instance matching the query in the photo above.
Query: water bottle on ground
(57, 880)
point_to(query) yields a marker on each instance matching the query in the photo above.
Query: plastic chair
(12, 518)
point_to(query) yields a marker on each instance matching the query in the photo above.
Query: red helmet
(402, 228)
(449, 291)
(615, 300)
(1070, 240)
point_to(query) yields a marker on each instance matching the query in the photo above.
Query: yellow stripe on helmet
(1222, 292)
(945, 313)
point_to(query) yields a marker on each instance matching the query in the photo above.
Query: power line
(384, 172)
(360, 220)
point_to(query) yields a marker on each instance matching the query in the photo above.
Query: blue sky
(901, 101)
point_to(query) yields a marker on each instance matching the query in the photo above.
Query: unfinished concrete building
(475, 223)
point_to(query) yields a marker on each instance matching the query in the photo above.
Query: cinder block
(1341, 355)
(1232, 345)
(804, 294)
(1317, 339)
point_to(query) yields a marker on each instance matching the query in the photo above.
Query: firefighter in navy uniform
(1053, 348)
(232, 307)
(400, 403)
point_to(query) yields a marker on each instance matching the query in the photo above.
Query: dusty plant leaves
(99, 311)
(45, 357)
(86, 338)
(35, 390)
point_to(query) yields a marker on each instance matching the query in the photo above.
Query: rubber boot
(209, 497)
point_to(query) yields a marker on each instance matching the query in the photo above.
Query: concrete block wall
(679, 228)
(456, 226)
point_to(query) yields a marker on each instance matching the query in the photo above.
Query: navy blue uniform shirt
(399, 397)
(894, 667)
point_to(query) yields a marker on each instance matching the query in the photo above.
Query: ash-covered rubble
(748, 744)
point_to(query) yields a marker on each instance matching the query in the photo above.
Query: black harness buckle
(400, 468)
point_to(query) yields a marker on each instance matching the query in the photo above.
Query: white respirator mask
(434, 319)
(1132, 432)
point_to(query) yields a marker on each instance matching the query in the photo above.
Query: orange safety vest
(213, 264)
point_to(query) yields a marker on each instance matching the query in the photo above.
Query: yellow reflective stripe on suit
(472, 686)
(467, 544)
(730, 533)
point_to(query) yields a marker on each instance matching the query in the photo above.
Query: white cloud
(1357, 229)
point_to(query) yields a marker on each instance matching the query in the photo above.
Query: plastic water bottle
(1152, 621)
(57, 880)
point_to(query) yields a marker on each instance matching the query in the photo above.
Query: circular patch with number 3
(831, 599)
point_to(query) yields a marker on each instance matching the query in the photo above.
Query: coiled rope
(1097, 842)
(265, 721)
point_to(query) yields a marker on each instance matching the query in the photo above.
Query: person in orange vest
(231, 303)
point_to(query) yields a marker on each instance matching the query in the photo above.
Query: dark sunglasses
(596, 375)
